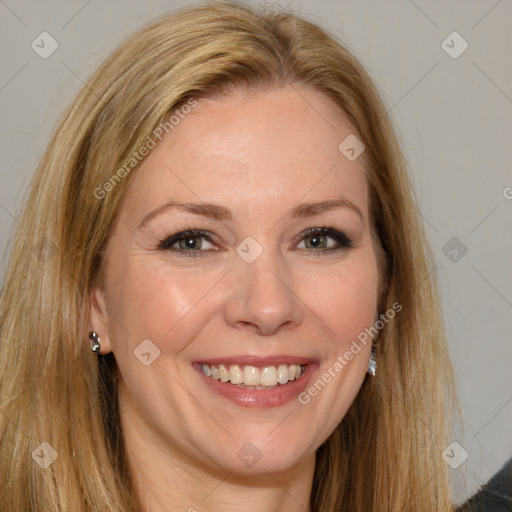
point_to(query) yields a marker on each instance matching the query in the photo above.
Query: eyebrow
(218, 212)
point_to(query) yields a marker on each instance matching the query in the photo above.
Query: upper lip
(258, 361)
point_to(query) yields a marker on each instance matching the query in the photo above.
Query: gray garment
(495, 496)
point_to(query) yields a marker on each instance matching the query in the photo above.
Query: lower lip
(263, 398)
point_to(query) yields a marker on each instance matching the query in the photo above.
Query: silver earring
(93, 336)
(372, 366)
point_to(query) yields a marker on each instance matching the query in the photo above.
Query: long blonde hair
(386, 453)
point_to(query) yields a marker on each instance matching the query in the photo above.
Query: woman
(224, 217)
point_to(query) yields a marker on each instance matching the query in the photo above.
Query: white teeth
(268, 376)
(236, 375)
(215, 372)
(282, 374)
(252, 376)
(223, 373)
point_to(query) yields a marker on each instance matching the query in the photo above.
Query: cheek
(346, 299)
(152, 302)
(346, 304)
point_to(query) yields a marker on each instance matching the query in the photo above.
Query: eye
(187, 242)
(318, 240)
(194, 242)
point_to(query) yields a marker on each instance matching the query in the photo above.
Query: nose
(263, 298)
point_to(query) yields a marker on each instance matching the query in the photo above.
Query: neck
(166, 480)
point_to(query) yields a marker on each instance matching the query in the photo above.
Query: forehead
(262, 151)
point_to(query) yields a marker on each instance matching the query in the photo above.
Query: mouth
(252, 377)
(257, 382)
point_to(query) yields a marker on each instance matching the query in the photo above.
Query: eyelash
(167, 243)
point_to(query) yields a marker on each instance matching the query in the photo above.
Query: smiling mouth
(254, 377)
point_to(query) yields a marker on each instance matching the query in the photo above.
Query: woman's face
(253, 294)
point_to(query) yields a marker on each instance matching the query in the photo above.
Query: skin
(259, 155)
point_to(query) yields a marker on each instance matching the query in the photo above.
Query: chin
(261, 455)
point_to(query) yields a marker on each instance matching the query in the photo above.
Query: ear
(98, 318)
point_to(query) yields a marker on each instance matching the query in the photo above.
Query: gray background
(454, 121)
